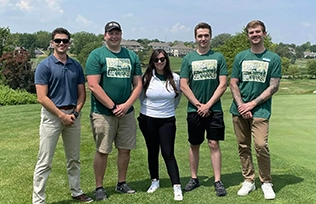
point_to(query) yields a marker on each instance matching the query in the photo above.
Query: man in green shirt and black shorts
(203, 81)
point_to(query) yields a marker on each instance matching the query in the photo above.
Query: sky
(287, 21)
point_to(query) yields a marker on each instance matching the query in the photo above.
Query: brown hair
(255, 23)
(60, 31)
(167, 71)
(202, 25)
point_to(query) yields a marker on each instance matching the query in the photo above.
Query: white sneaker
(246, 188)
(154, 186)
(268, 191)
(177, 192)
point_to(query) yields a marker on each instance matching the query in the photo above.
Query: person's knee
(124, 151)
(213, 144)
(101, 155)
(261, 146)
(194, 147)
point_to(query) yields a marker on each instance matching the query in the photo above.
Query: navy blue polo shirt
(62, 79)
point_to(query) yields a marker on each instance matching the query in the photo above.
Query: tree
(144, 54)
(306, 46)
(17, 70)
(27, 40)
(190, 44)
(80, 40)
(293, 71)
(313, 48)
(83, 55)
(299, 52)
(311, 67)
(285, 65)
(220, 40)
(4, 35)
(42, 39)
(283, 50)
(236, 44)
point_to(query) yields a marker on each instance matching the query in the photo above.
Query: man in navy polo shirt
(61, 91)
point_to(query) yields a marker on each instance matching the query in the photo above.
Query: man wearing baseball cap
(112, 25)
(111, 71)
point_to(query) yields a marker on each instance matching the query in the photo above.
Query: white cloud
(83, 22)
(179, 28)
(128, 15)
(305, 24)
(24, 5)
(54, 5)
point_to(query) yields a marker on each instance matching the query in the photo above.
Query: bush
(17, 70)
(9, 96)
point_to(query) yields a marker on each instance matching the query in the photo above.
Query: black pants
(160, 132)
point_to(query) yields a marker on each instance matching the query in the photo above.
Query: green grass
(175, 63)
(289, 86)
(291, 141)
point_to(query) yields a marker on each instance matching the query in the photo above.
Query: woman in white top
(159, 98)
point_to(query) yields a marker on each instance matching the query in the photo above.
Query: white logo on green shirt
(118, 67)
(204, 69)
(254, 70)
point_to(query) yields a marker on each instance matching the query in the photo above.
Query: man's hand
(120, 110)
(67, 120)
(245, 107)
(247, 115)
(203, 110)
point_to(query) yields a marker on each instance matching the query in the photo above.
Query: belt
(66, 107)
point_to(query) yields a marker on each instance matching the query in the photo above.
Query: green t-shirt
(254, 72)
(117, 71)
(203, 72)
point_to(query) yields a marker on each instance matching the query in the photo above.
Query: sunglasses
(162, 59)
(58, 40)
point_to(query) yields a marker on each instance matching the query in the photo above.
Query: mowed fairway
(292, 143)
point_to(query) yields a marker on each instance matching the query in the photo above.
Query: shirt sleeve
(93, 65)
(236, 68)
(184, 71)
(42, 73)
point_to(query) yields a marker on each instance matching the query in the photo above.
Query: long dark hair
(167, 71)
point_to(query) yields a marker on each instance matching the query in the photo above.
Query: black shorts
(213, 125)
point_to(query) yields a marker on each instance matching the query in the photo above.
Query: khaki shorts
(109, 129)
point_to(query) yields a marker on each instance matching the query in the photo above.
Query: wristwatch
(76, 114)
(112, 109)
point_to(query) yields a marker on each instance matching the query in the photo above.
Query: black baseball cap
(111, 26)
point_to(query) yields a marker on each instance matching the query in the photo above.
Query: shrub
(9, 96)
(17, 70)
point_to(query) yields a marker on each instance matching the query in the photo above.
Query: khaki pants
(50, 130)
(258, 128)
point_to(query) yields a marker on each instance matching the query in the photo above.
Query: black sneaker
(193, 183)
(100, 194)
(83, 198)
(124, 188)
(219, 188)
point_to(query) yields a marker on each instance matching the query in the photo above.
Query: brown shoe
(83, 198)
